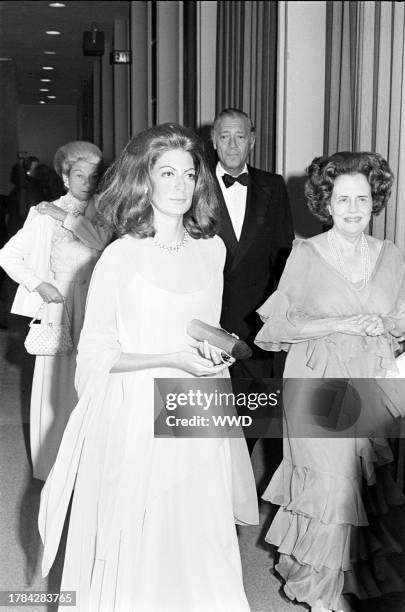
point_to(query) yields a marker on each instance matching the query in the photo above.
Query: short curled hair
(323, 172)
(125, 191)
(72, 152)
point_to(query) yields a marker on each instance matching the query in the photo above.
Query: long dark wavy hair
(323, 172)
(125, 191)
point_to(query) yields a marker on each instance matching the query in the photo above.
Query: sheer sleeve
(284, 312)
(90, 233)
(399, 308)
(99, 347)
(397, 314)
(221, 253)
(218, 272)
(16, 255)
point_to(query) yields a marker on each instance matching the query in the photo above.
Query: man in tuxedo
(256, 226)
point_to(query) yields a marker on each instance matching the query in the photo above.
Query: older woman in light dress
(338, 312)
(52, 258)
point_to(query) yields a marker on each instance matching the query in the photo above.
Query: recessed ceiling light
(50, 52)
(52, 32)
(45, 80)
(48, 68)
(51, 97)
(57, 4)
(42, 102)
(44, 89)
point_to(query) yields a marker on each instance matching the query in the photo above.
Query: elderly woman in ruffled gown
(52, 258)
(159, 531)
(338, 310)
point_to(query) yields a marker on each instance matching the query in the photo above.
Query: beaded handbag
(49, 338)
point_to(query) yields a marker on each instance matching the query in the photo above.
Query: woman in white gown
(52, 258)
(152, 520)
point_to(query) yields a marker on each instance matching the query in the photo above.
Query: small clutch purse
(49, 338)
(236, 348)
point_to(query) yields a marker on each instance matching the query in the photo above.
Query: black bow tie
(229, 180)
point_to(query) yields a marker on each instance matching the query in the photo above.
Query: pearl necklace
(365, 257)
(171, 247)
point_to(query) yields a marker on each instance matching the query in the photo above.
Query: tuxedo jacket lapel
(256, 208)
(226, 232)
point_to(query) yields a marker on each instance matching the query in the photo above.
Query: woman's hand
(49, 293)
(196, 364)
(47, 208)
(363, 325)
(217, 355)
(374, 325)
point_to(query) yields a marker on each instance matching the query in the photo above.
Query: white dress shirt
(235, 199)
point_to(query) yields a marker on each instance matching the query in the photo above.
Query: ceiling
(23, 39)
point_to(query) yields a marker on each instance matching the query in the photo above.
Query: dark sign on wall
(93, 42)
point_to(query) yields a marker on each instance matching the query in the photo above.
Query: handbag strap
(42, 306)
(36, 314)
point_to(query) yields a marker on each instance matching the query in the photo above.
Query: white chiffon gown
(152, 525)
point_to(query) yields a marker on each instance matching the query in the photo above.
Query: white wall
(207, 42)
(169, 76)
(301, 99)
(42, 129)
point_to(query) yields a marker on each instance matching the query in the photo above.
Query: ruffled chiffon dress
(152, 525)
(318, 485)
